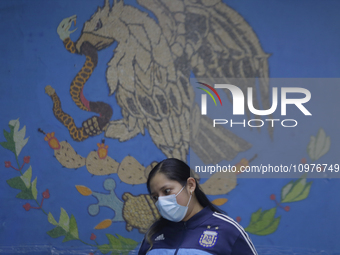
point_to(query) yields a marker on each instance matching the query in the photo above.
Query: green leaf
(51, 219)
(56, 232)
(127, 244)
(267, 216)
(105, 248)
(295, 191)
(298, 191)
(34, 188)
(114, 242)
(25, 194)
(127, 241)
(18, 136)
(256, 215)
(73, 227)
(16, 183)
(286, 189)
(69, 237)
(319, 145)
(271, 227)
(263, 224)
(9, 145)
(27, 176)
(9, 135)
(61, 229)
(64, 220)
(120, 245)
(304, 194)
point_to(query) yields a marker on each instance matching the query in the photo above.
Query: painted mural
(98, 92)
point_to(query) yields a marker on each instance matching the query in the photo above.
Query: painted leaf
(51, 219)
(114, 242)
(9, 136)
(295, 191)
(34, 188)
(16, 183)
(18, 136)
(118, 245)
(56, 232)
(9, 144)
(127, 244)
(286, 189)
(64, 220)
(219, 201)
(105, 248)
(256, 215)
(319, 145)
(69, 237)
(70, 232)
(271, 228)
(263, 222)
(85, 191)
(304, 194)
(27, 176)
(104, 224)
(74, 227)
(25, 194)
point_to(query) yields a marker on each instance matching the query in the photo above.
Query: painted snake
(96, 124)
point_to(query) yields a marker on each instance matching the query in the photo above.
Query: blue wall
(303, 40)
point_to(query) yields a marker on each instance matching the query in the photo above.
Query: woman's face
(160, 185)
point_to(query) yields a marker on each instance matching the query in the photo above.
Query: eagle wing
(214, 42)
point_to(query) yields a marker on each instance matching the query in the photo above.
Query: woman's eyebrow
(162, 188)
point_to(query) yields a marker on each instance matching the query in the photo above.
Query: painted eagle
(151, 66)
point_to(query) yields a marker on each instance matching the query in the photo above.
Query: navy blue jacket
(207, 232)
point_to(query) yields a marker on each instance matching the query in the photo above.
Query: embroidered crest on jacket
(208, 238)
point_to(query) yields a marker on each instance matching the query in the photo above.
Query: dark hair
(176, 170)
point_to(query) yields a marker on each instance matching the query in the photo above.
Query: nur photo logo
(295, 96)
(204, 97)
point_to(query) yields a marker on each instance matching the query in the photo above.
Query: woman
(190, 223)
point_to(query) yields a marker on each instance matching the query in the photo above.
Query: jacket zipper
(184, 230)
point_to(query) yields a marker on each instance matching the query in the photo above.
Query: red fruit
(93, 236)
(303, 161)
(46, 194)
(27, 206)
(27, 159)
(272, 197)
(287, 208)
(238, 218)
(7, 164)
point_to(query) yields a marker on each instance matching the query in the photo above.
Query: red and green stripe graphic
(208, 92)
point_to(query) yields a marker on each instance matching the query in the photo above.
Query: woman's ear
(191, 184)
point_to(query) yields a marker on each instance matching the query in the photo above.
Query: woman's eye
(167, 191)
(155, 198)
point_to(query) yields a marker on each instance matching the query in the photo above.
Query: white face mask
(170, 209)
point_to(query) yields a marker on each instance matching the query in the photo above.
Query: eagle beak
(74, 22)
